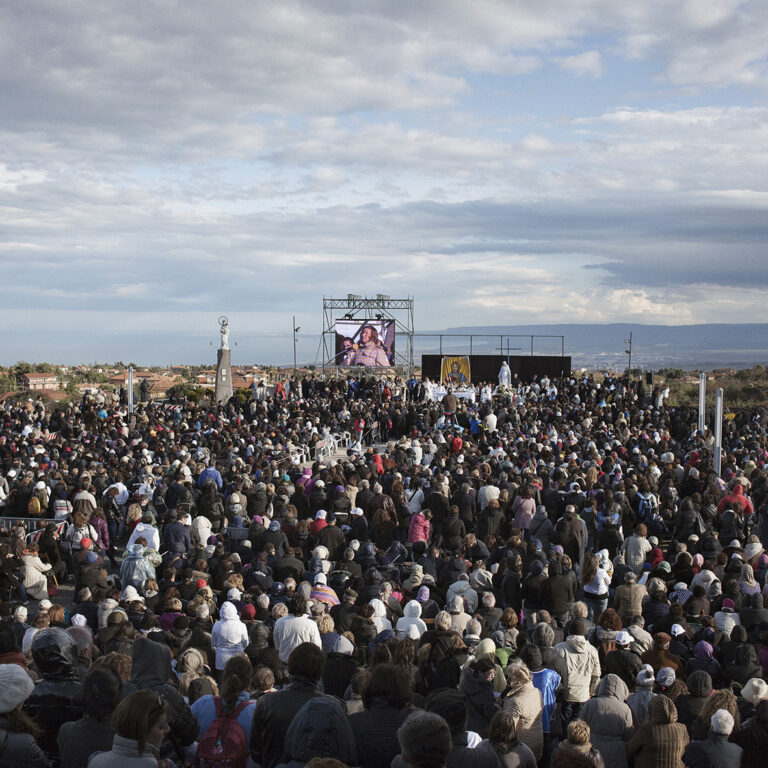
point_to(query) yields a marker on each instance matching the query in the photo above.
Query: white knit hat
(16, 687)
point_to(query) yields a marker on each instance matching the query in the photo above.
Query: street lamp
(296, 329)
(629, 353)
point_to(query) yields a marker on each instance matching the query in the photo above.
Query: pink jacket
(419, 528)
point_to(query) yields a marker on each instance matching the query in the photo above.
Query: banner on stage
(455, 371)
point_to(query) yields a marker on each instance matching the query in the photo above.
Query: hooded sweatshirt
(411, 618)
(319, 729)
(229, 635)
(380, 620)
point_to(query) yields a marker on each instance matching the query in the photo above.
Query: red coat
(736, 496)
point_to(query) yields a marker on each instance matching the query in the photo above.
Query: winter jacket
(291, 631)
(204, 709)
(635, 548)
(273, 716)
(20, 750)
(125, 754)
(151, 670)
(481, 703)
(418, 529)
(35, 581)
(526, 705)
(753, 739)
(52, 703)
(610, 720)
(320, 729)
(690, 705)
(375, 732)
(229, 635)
(712, 752)
(79, 739)
(463, 590)
(582, 667)
(661, 741)
(628, 601)
(410, 618)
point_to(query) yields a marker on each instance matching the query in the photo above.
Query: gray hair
(721, 722)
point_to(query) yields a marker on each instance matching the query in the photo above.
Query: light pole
(629, 352)
(296, 329)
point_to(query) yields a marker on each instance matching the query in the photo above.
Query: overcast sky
(163, 163)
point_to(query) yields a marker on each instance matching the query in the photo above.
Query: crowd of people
(553, 576)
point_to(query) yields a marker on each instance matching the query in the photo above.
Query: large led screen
(367, 343)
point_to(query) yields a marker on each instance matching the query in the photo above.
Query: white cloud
(586, 63)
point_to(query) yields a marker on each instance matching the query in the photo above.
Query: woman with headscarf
(747, 583)
(704, 660)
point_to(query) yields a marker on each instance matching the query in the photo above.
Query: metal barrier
(35, 525)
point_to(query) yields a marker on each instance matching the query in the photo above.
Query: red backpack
(224, 744)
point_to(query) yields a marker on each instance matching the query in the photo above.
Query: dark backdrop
(486, 367)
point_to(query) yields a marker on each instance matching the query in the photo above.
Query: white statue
(224, 329)
(505, 375)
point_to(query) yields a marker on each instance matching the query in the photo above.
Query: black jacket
(714, 752)
(375, 733)
(151, 670)
(52, 703)
(273, 716)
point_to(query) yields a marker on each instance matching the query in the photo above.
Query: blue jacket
(210, 473)
(177, 538)
(204, 710)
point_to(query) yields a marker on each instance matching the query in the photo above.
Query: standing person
(234, 700)
(635, 548)
(524, 509)
(17, 730)
(295, 629)
(660, 742)
(715, 751)
(610, 720)
(229, 636)
(274, 713)
(93, 732)
(141, 725)
(525, 703)
(595, 583)
(581, 671)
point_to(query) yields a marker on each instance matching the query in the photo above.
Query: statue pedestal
(223, 376)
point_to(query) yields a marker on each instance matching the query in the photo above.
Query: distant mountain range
(706, 346)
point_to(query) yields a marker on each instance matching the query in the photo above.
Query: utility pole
(629, 353)
(296, 329)
(702, 402)
(717, 458)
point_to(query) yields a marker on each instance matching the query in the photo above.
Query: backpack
(33, 508)
(644, 508)
(224, 744)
